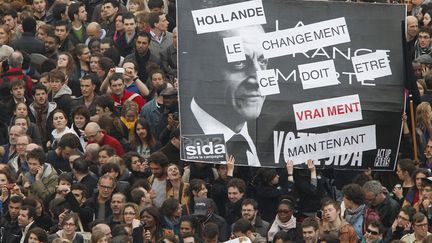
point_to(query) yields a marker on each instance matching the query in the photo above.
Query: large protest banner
(271, 81)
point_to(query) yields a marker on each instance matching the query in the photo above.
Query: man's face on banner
(239, 79)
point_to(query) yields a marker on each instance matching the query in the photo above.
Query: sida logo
(209, 148)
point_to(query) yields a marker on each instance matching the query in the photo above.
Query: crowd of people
(89, 124)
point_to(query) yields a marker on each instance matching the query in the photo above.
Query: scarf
(421, 51)
(41, 119)
(278, 226)
(128, 124)
(351, 216)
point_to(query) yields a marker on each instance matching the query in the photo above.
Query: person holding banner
(235, 85)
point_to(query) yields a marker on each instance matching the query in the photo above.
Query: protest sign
(284, 80)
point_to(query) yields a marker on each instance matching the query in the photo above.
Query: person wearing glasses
(103, 197)
(420, 226)
(401, 225)
(374, 233)
(94, 134)
(285, 221)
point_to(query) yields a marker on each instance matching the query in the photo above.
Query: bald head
(94, 30)
(93, 132)
(411, 28)
(31, 146)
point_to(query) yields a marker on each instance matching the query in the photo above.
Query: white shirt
(210, 125)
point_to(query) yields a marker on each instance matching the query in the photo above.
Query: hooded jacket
(62, 98)
(45, 186)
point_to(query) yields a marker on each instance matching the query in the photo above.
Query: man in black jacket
(10, 232)
(28, 43)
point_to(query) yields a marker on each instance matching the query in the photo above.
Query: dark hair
(158, 158)
(376, 224)
(57, 74)
(154, 212)
(31, 211)
(105, 101)
(210, 230)
(149, 139)
(418, 217)
(56, 38)
(92, 77)
(328, 201)
(16, 82)
(192, 221)
(108, 167)
(40, 233)
(108, 149)
(127, 157)
(282, 235)
(407, 165)
(37, 154)
(169, 207)
(264, 176)
(237, 183)
(29, 25)
(105, 63)
(115, 3)
(425, 29)
(155, 4)
(154, 18)
(69, 139)
(80, 166)
(287, 201)
(354, 192)
(250, 201)
(15, 199)
(82, 111)
(74, 9)
(57, 10)
(310, 222)
(79, 186)
(243, 225)
(129, 15)
(145, 35)
(65, 177)
(39, 86)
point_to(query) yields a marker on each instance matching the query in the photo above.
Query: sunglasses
(372, 232)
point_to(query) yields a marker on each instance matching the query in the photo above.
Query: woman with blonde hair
(424, 119)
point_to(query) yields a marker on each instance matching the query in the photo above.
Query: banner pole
(413, 128)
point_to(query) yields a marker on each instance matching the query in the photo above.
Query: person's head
(142, 43)
(10, 18)
(373, 192)
(62, 29)
(105, 152)
(60, 119)
(405, 216)
(17, 88)
(66, 62)
(27, 215)
(249, 209)
(15, 132)
(106, 186)
(420, 225)
(67, 145)
(44, 30)
(110, 8)
(173, 172)
(235, 83)
(82, 53)
(142, 20)
(131, 68)
(236, 189)
(21, 109)
(188, 238)
(197, 189)
(104, 105)
(158, 163)
(117, 84)
(37, 235)
(419, 174)
(80, 192)
(99, 236)
(70, 223)
(22, 142)
(40, 94)
(135, 6)
(133, 161)
(5, 177)
(405, 168)
(421, 86)
(285, 210)
(16, 59)
(242, 227)
(142, 133)
(188, 224)
(129, 212)
(5, 34)
(374, 231)
(171, 208)
(77, 12)
(35, 159)
(57, 80)
(310, 229)
(118, 201)
(81, 116)
(353, 196)
(151, 217)
(210, 233)
(130, 111)
(129, 23)
(52, 43)
(39, 6)
(158, 21)
(29, 25)
(59, 12)
(94, 31)
(111, 169)
(93, 132)
(14, 206)
(157, 79)
(330, 210)
(424, 37)
(412, 27)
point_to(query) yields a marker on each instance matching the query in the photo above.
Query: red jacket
(127, 96)
(111, 141)
(17, 73)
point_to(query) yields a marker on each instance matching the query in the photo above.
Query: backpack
(369, 216)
